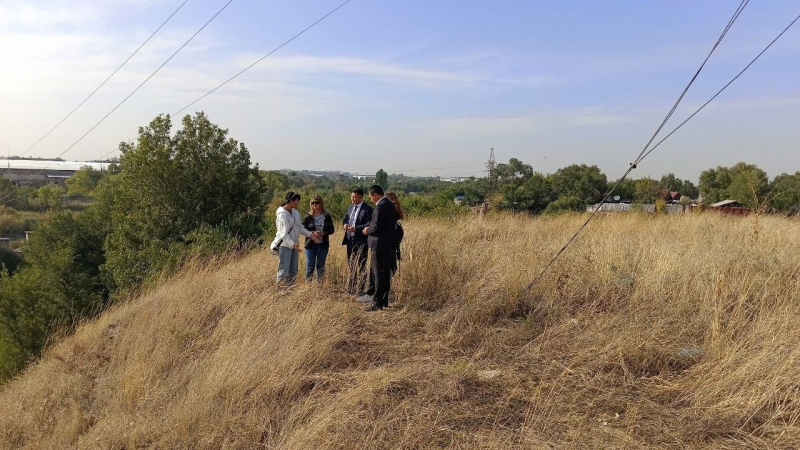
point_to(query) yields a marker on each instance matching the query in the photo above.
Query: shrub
(564, 204)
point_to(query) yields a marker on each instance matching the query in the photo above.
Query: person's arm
(375, 226)
(368, 219)
(304, 231)
(328, 228)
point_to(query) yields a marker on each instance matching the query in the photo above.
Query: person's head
(375, 193)
(291, 201)
(357, 196)
(317, 205)
(393, 198)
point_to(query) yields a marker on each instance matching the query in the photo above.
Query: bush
(565, 204)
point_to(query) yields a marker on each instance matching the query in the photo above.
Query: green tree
(785, 192)
(60, 284)
(587, 183)
(713, 184)
(533, 195)
(515, 172)
(672, 183)
(275, 184)
(49, 196)
(745, 183)
(626, 189)
(84, 181)
(382, 179)
(645, 190)
(172, 185)
(749, 185)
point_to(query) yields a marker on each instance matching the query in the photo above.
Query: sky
(422, 87)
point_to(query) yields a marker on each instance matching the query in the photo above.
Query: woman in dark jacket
(317, 219)
(399, 227)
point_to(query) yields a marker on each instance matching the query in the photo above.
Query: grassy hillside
(650, 332)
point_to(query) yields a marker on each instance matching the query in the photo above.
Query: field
(650, 332)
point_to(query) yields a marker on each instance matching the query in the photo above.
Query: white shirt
(353, 218)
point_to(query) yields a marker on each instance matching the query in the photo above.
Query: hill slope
(650, 332)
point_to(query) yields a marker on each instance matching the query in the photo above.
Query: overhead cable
(251, 65)
(106, 80)
(633, 165)
(132, 92)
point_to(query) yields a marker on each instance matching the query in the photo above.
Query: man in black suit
(382, 240)
(358, 216)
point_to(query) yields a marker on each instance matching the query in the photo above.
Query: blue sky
(414, 85)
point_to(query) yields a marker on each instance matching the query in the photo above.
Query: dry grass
(650, 332)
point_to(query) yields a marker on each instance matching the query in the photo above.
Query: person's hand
(297, 247)
(365, 231)
(349, 228)
(318, 234)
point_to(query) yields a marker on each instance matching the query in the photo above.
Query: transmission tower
(490, 168)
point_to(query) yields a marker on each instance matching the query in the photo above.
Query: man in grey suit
(358, 217)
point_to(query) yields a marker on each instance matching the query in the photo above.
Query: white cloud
(287, 65)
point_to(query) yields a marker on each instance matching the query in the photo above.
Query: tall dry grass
(650, 332)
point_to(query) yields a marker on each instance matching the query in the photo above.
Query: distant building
(455, 179)
(458, 199)
(37, 172)
(730, 207)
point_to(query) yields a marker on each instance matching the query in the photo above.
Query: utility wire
(129, 95)
(253, 64)
(263, 57)
(639, 158)
(720, 91)
(106, 80)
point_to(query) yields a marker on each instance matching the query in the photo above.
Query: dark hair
(358, 191)
(375, 189)
(290, 197)
(393, 198)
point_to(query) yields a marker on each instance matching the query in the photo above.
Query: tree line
(194, 193)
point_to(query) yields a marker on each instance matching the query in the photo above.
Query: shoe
(366, 298)
(373, 307)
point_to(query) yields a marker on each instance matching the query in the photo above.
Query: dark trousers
(381, 275)
(357, 261)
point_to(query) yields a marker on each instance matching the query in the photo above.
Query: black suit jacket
(383, 227)
(362, 221)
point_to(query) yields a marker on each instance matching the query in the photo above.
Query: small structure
(5, 242)
(730, 207)
(458, 199)
(28, 235)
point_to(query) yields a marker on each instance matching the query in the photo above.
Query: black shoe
(374, 307)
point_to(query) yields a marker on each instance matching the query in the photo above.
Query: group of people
(367, 230)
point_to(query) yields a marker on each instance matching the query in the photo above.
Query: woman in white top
(287, 238)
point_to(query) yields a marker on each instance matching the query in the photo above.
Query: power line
(253, 64)
(106, 80)
(639, 158)
(133, 92)
(263, 57)
(720, 91)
